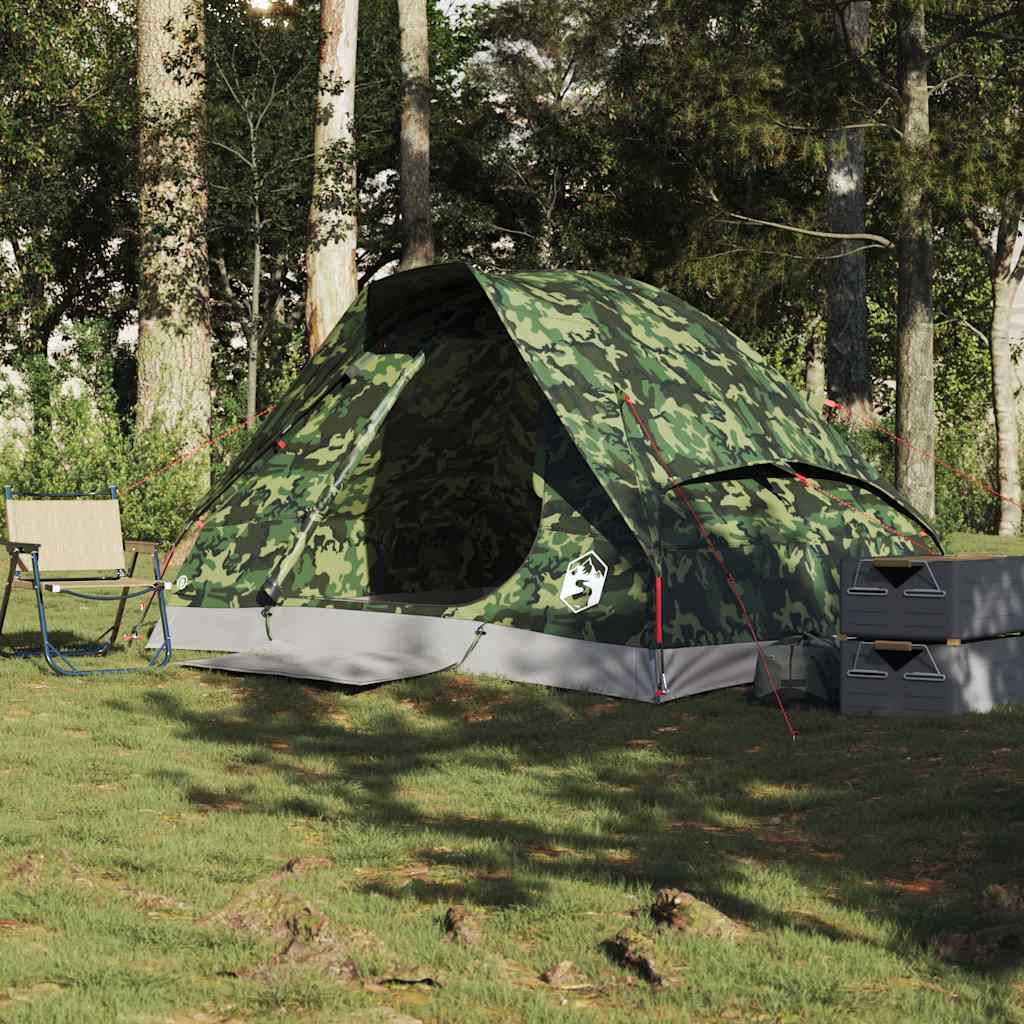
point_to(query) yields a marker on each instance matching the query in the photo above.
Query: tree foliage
(657, 141)
(67, 194)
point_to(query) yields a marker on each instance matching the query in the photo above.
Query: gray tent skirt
(361, 648)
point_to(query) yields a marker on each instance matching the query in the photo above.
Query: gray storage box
(931, 597)
(886, 677)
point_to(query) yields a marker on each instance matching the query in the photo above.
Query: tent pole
(272, 589)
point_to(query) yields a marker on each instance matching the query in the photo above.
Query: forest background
(840, 182)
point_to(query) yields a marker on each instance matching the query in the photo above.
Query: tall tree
(554, 172)
(915, 353)
(331, 277)
(261, 91)
(980, 133)
(175, 339)
(898, 72)
(915, 405)
(1003, 248)
(67, 195)
(847, 361)
(414, 172)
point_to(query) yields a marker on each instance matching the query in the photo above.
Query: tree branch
(226, 81)
(837, 128)
(977, 232)
(269, 103)
(229, 288)
(1017, 274)
(513, 231)
(972, 30)
(234, 152)
(964, 323)
(880, 241)
(788, 255)
(859, 59)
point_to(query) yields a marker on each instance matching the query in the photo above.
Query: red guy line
(729, 578)
(167, 562)
(817, 490)
(831, 404)
(185, 456)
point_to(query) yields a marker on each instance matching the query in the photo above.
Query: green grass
(134, 807)
(979, 543)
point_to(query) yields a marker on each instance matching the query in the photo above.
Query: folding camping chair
(76, 546)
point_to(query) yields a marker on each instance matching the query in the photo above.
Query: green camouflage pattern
(510, 451)
(710, 401)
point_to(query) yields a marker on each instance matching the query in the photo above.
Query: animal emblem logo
(583, 583)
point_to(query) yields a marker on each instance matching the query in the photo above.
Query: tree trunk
(1007, 454)
(848, 364)
(331, 279)
(1007, 266)
(915, 357)
(814, 370)
(254, 324)
(417, 225)
(175, 339)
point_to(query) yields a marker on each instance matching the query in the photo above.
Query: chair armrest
(144, 547)
(16, 547)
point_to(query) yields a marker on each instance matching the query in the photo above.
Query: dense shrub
(86, 451)
(965, 463)
(86, 443)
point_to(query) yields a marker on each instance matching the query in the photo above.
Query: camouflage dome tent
(456, 478)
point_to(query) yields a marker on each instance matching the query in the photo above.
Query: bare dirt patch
(26, 870)
(567, 976)
(396, 877)
(30, 993)
(538, 849)
(306, 933)
(682, 911)
(460, 687)
(225, 1016)
(219, 804)
(608, 707)
(996, 946)
(915, 886)
(1004, 899)
(463, 926)
(10, 926)
(302, 866)
(156, 904)
(636, 952)
(309, 940)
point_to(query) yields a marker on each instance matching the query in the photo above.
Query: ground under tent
(487, 471)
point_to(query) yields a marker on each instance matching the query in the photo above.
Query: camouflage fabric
(462, 446)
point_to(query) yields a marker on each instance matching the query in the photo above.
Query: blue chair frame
(59, 659)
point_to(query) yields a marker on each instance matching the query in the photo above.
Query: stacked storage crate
(931, 634)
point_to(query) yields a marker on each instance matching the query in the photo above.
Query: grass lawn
(146, 821)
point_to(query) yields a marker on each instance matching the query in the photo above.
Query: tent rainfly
(544, 476)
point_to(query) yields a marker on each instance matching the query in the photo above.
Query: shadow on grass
(903, 820)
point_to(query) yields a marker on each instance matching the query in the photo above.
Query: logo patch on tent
(583, 583)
